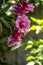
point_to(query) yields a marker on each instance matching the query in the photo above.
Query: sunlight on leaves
(41, 40)
(30, 63)
(34, 19)
(38, 62)
(28, 47)
(33, 27)
(12, 1)
(30, 58)
(38, 29)
(41, 21)
(37, 21)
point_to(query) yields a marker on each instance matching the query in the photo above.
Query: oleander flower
(22, 8)
(14, 38)
(22, 23)
(17, 8)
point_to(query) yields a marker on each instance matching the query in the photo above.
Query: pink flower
(17, 8)
(14, 38)
(22, 23)
(29, 8)
(22, 8)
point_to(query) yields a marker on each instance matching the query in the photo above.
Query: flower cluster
(22, 23)
(21, 26)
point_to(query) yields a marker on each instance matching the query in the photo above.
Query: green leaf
(29, 46)
(3, 10)
(18, 46)
(38, 62)
(41, 41)
(33, 27)
(5, 22)
(12, 1)
(0, 27)
(34, 42)
(34, 20)
(29, 58)
(15, 47)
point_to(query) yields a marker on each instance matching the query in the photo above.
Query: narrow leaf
(5, 22)
(0, 27)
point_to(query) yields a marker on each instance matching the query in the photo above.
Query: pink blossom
(22, 23)
(17, 8)
(22, 8)
(14, 38)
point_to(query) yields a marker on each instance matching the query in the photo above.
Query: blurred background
(30, 52)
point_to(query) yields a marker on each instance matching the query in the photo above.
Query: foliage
(35, 56)
(35, 47)
(5, 29)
